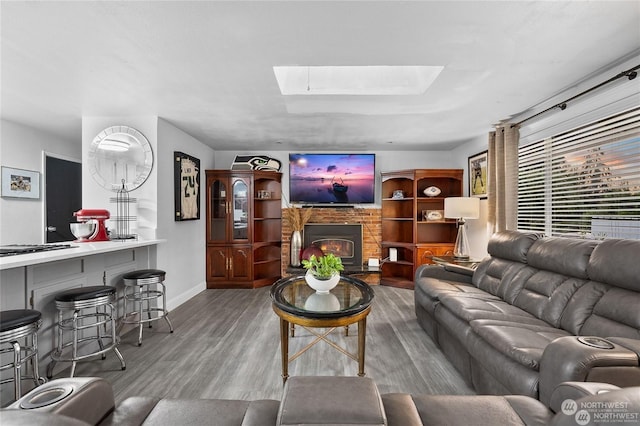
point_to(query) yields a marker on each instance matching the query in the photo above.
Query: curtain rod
(630, 74)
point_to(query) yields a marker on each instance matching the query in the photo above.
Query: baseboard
(186, 295)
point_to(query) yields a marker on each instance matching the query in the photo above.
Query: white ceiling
(207, 66)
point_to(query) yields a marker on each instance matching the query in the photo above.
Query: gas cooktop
(14, 249)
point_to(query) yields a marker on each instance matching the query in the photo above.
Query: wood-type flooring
(226, 345)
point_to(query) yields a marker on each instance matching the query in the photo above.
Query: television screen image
(332, 178)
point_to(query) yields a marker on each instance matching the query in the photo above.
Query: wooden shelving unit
(404, 223)
(244, 228)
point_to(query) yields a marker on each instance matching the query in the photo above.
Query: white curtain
(502, 190)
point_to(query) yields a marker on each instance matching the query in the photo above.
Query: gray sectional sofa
(512, 325)
(324, 401)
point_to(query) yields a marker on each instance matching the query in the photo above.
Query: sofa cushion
(566, 256)
(521, 342)
(472, 308)
(511, 245)
(546, 294)
(508, 256)
(330, 400)
(616, 313)
(464, 410)
(205, 411)
(436, 288)
(496, 275)
(616, 262)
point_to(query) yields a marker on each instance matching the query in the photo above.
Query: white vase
(322, 286)
(295, 247)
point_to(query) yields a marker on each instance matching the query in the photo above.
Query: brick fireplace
(369, 219)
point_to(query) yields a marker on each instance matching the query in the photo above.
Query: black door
(64, 196)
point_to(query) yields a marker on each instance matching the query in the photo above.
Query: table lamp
(461, 208)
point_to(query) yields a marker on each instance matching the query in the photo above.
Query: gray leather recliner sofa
(324, 401)
(511, 326)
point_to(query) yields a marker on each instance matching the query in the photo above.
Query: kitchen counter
(31, 281)
(76, 250)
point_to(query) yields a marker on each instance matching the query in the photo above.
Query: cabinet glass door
(219, 210)
(240, 205)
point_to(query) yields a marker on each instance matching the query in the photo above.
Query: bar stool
(78, 301)
(17, 326)
(142, 287)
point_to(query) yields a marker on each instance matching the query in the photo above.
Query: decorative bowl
(432, 191)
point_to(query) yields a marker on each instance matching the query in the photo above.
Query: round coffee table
(298, 304)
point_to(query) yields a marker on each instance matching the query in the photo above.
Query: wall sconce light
(461, 208)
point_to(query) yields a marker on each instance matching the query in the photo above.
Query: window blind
(583, 182)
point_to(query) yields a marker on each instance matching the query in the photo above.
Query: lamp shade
(462, 207)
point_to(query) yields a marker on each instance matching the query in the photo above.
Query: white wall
(183, 255)
(96, 197)
(22, 147)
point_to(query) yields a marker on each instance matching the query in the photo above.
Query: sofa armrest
(572, 358)
(631, 344)
(88, 399)
(576, 390)
(442, 273)
(619, 406)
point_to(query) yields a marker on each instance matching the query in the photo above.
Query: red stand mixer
(84, 230)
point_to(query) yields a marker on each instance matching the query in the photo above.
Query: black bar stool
(77, 302)
(17, 326)
(142, 287)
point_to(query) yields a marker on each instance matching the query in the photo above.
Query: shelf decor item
(297, 217)
(461, 208)
(296, 246)
(435, 215)
(323, 273)
(432, 191)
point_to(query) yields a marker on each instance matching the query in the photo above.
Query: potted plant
(323, 272)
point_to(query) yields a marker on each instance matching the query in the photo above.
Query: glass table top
(293, 295)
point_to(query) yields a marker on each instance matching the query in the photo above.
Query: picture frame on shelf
(186, 173)
(20, 183)
(478, 174)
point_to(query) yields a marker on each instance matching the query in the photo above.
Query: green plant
(323, 267)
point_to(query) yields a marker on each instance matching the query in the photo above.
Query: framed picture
(433, 215)
(186, 173)
(18, 183)
(478, 175)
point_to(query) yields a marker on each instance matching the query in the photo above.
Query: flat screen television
(332, 178)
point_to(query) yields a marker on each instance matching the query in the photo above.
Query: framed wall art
(19, 183)
(478, 171)
(186, 172)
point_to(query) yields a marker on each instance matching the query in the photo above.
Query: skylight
(355, 80)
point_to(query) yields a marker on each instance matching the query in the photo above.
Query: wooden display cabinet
(407, 224)
(244, 228)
